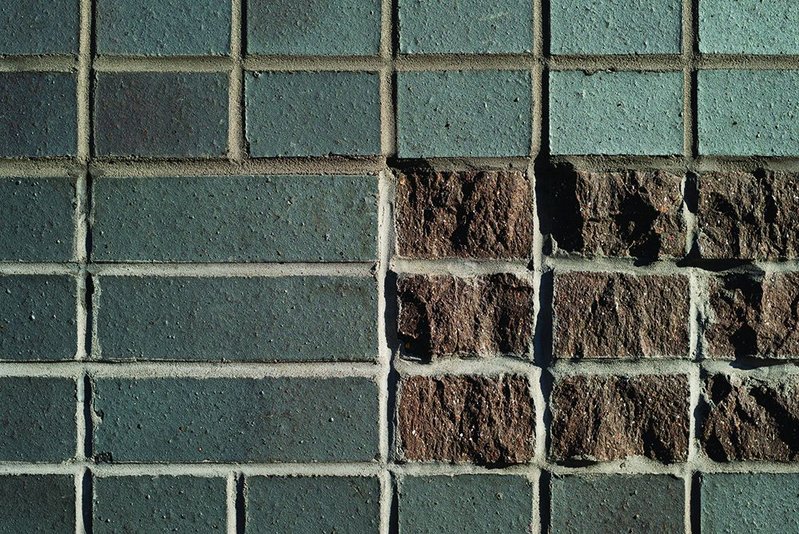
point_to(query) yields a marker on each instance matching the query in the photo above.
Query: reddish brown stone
(484, 420)
(479, 214)
(601, 418)
(448, 316)
(613, 315)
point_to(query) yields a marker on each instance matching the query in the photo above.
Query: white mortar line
(333, 165)
(492, 366)
(231, 495)
(314, 63)
(164, 64)
(461, 267)
(48, 63)
(78, 477)
(234, 270)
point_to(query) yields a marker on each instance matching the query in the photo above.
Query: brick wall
(399, 266)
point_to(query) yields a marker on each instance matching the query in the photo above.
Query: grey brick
(37, 504)
(749, 502)
(49, 27)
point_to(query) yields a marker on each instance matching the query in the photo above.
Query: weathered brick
(235, 419)
(614, 315)
(602, 418)
(445, 316)
(748, 27)
(749, 502)
(39, 27)
(484, 420)
(477, 214)
(37, 503)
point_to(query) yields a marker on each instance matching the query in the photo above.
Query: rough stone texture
(49, 27)
(751, 419)
(613, 315)
(445, 316)
(483, 420)
(748, 27)
(37, 504)
(749, 502)
(749, 216)
(473, 214)
(602, 418)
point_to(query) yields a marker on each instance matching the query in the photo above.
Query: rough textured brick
(602, 418)
(38, 114)
(749, 502)
(465, 503)
(218, 219)
(163, 28)
(39, 27)
(313, 27)
(443, 316)
(620, 214)
(748, 112)
(751, 419)
(463, 113)
(615, 27)
(313, 113)
(614, 315)
(38, 219)
(187, 119)
(277, 505)
(617, 503)
(748, 27)
(616, 113)
(311, 318)
(37, 503)
(473, 214)
(159, 504)
(751, 216)
(484, 420)
(470, 27)
(38, 416)
(38, 318)
(235, 420)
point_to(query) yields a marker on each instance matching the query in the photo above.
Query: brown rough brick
(601, 418)
(478, 214)
(749, 216)
(613, 315)
(484, 420)
(445, 316)
(750, 419)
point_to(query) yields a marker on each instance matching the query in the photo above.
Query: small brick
(749, 502)
(37, 503)
(313, 113)
(219, 219)
(748, 27)
(159, 504)
(312, 504)
(444, 316)
(473, 214)
(617, 503)
(38, 114)
(464, 113)
(604, 418)
(483, 420)
(39, 27)
(624, 316)
(637, 113)
(235, 420)
(188, 119)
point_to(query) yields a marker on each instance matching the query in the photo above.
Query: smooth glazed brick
(748, 112)
(313, 27)
(464, 113)
(748, 27)
(749, 502)
(465, 27)
(37, 503)
(161, 114)
(49, 27)
(312, 113)
(235, 218)
(637, 113)
(294, 318)
(236, 420)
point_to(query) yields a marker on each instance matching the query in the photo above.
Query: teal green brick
(159, 504)
(605, 27)
(38, 219)
(50, 27)
(749, 112)
(236, 420)
(37, 503)
(465, 503)
(748, 27)
(38, 416)
(617, 503)
(163, 27)
(38, 114)
(312, 113)
(38, 318)
(749, 502)
(314, 27)
(636, 113)
(464, 113)
(315, 318)
(284, 505)
(465, 27)
(244, 218)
